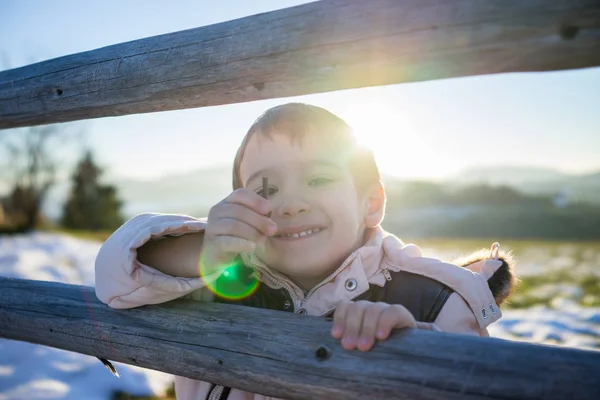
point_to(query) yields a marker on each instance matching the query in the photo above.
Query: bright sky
(418, 130)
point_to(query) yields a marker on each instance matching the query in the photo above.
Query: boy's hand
(235, 225)
(359, 323)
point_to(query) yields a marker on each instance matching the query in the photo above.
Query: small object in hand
(265, 190)
(109, 366)
(265, 187)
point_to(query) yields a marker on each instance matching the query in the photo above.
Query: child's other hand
(235, 225)
(359, 323)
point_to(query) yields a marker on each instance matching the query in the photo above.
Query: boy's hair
(297, 120)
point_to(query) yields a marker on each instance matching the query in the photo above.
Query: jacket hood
(504, 281)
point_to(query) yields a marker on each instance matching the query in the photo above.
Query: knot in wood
(322, 353)
(568, 32)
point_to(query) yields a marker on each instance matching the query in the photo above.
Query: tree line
(31, 159)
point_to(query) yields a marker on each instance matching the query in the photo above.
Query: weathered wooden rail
(317, 47)
(288, 355)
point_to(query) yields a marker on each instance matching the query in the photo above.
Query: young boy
(303, 222)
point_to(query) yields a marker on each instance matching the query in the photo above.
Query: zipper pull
(387, 275)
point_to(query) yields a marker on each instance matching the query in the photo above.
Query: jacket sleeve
(124, 282)
(472, 307)
(456, 317)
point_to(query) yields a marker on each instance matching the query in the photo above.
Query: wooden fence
(317, 47)
(288, 355)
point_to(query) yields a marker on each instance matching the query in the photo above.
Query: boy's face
(319, 213)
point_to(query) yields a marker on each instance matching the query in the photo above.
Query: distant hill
(535, 180)
(192, 192)
(196, 191)
(509, 175)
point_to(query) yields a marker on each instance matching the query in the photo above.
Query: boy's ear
(374, 205)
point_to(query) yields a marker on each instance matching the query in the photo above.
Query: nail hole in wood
(58, 91)
(259, 86)
(220, 362)
(568, 32)
(322, 353)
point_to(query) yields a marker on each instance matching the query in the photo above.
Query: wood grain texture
(277, 353)
(317, 47)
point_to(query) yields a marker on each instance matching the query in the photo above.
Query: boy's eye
(320, 181)
(270, 191)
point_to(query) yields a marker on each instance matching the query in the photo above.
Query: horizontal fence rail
(288, 355)
(311, 48)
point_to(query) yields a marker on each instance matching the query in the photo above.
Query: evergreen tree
(91, 205)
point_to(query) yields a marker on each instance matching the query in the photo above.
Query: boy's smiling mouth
(298, 232)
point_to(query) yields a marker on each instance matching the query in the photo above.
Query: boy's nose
(292, 206)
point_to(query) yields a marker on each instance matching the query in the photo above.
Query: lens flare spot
(235, 283)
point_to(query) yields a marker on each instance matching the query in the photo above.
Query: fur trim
(504, 281)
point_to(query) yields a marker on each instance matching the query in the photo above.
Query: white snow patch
(30, 371)
(565, 323)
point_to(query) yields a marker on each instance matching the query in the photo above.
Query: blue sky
(425, 130)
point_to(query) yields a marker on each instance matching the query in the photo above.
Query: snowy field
(29, 371)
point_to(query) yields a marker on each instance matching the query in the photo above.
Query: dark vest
(422, 296)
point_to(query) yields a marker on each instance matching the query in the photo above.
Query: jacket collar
(371, 263)
(351, 279)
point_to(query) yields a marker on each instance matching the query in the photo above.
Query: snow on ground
(565, 323)
(29, 371)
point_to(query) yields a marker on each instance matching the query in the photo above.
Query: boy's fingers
(242, 213)
(235, 228)
(221, 252)
(234, 245)
(354, 322)
(395, 316)
(339, 319)
(249, 199)
(369, 325)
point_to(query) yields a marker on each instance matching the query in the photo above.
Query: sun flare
(401, 151)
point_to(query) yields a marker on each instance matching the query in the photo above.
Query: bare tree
(30, 158)
(29, 161)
